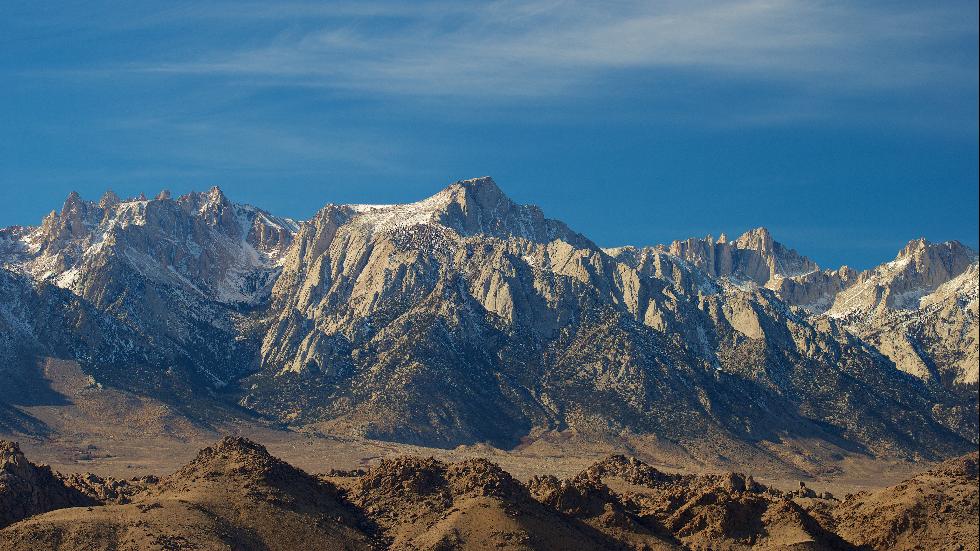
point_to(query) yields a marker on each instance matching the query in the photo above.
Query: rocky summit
(468, 318)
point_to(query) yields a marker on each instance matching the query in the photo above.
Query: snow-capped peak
(228, 250)
(476, 206)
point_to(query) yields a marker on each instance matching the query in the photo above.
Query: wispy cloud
(252, 146)
(781, 61)
(547, 47)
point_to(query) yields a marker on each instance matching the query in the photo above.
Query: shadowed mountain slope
(466, 318)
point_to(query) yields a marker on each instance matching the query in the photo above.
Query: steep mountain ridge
(199, 241)
(919, 269)
(413, 330)
(466, 317)
(917, 309)
(920, 310)
(167, 275)
(470, 208)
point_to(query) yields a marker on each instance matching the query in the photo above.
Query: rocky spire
(109, 199)
(73, 203)
(758, 239)
(71, 221)
(917, 247)
(216, 197)
(754, 255)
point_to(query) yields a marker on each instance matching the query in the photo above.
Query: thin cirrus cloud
(857, 110)
(507, 49)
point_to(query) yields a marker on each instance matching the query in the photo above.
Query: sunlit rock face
(161, 280)
(466, 317)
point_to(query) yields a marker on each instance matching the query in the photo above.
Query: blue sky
(846, 128)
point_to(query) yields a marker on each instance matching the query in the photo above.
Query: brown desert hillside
(938, 509)
(235, 495)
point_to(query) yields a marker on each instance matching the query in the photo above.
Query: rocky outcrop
(472, 504)
(232, 495)
(630, 470)
(27, 489)
(106, 490)
(716, 511)
(938, 509)
(235, 493)
(754, 256)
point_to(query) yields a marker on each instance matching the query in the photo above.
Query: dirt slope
(235, 495)
(426, 504)
(232, 496)
(935, 510)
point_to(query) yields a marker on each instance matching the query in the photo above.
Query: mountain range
(466, 318)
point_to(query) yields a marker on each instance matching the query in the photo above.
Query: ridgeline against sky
(847, 129)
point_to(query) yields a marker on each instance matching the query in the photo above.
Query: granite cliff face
(150, 286)
(920, 310)
(466, 317)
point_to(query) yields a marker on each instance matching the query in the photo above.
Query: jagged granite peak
(478, 206)
(759, 239)
(72, 203)
(359, 261)
(470, 208)
(74, 216)
(920, 310)
(200, 235)
(166, 276)
(109, 199)
(211, 199)
(922, 247)
(754, 256)
(918, 269)
(466, 317)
